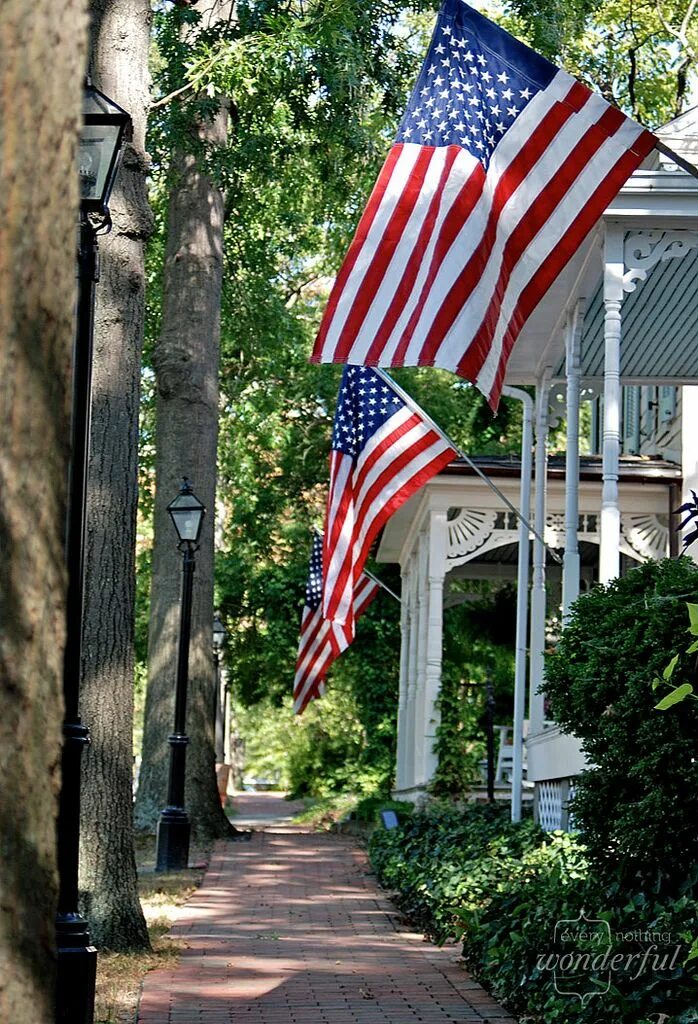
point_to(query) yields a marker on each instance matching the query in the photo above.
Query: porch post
(437, 537)
(538, 594)
(409, 760)
(609, 556)
(422, 630)
(570, 568)
(521, 599)
(405, 629)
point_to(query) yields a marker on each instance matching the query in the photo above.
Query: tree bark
(40, 114)
(186, 371)
(120, 42)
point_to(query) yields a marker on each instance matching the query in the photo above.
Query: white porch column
(409, 761)
(571, 566)
(609, 556)
(420, 661)
(437, 537)
(521, 599)
(538, 593)
(689, 449)
(405, 632)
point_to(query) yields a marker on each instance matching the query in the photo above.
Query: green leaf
(693, 616)
(693, 951)
(669, 670)
(677, 695)
(693, 648)
(656, 682)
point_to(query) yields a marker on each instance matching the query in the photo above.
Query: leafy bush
(446, 858)
(637, 807)
(504, 888)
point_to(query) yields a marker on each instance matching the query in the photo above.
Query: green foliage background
(315, 90)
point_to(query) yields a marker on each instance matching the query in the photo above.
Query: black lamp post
(219, 635)
(172, 850)
(100, 146)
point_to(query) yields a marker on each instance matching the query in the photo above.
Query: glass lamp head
(187, 513)
(101, 140)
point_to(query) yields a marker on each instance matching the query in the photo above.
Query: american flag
(383, 450)
(501, 166)
(321, 642)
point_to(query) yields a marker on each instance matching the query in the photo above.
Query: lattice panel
(550, 805)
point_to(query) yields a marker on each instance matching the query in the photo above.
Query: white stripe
(400, 175)
(402, 254)
(463, 167)
(545, 241)
(309, 652)
(516, 207)
(400, 480)
(342, 554)
(400, 447)
(342, 468)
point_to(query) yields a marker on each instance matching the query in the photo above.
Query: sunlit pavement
(291, 927)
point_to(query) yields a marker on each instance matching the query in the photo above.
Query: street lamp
(172, 849)
(220, 699)
(101, 139)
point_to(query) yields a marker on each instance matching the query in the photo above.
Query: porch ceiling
(660, 327)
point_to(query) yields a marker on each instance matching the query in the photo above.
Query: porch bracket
(643, 250)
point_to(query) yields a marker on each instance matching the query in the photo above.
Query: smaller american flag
(321, 642)
(384, 449)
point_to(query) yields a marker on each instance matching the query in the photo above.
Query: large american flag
(383, 450)
(501, 166)
(321, 641)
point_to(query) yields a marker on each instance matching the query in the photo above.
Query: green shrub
(637, 807)
(445, 858)
(504, 888)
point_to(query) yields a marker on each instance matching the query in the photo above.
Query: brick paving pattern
(292, 928)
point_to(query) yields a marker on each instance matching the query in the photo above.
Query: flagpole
(462, 455)
(676, 159)
(367, 573)
(382, 584)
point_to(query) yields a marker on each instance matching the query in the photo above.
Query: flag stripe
(514, 191)
(572, 207)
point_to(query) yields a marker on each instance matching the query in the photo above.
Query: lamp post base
(76, 974)
(172, 845)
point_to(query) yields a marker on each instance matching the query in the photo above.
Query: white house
(619, 329)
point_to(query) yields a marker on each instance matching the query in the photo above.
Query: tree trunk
(40, 113)
(120, 42)
(186, 370)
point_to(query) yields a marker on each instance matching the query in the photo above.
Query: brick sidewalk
(291, 928)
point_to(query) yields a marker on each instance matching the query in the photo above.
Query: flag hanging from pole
(383, 450)
(321, 641)
(501, 166)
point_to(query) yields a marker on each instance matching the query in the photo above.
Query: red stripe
(537, 215)
(465, 203)
(384, 253)
(335, 524)
(438, 463)
(565, 249)
(359, 239)
(518, 169)
(353, 489)
(411, 270)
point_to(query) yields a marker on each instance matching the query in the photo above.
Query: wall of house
(651, 422)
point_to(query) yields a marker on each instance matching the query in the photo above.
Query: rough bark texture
(186, 368)
(120, 40)
(40, 115)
